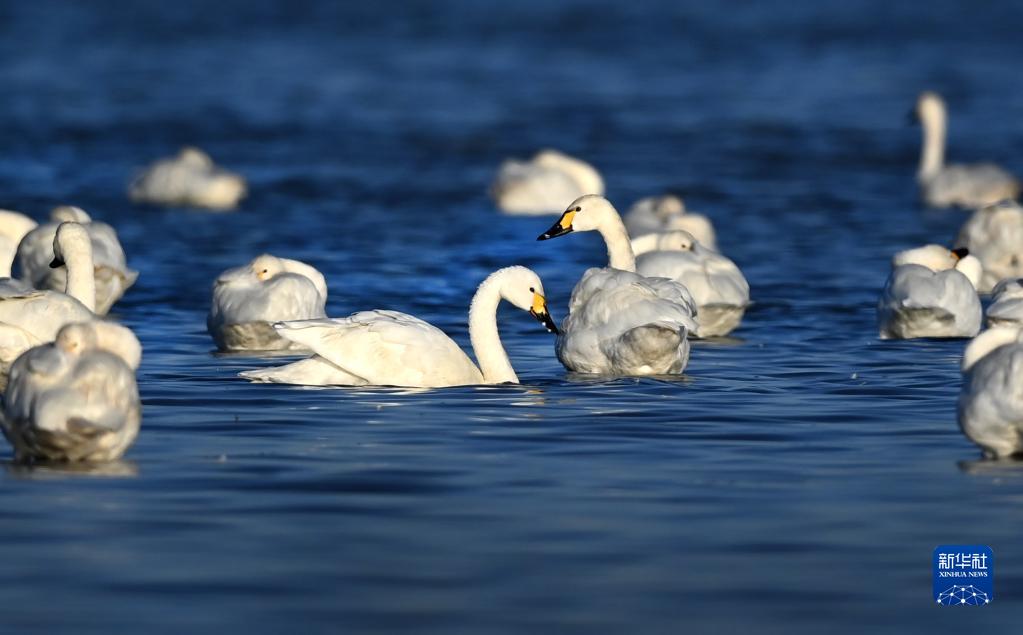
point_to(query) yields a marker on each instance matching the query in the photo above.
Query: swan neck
(932, 156)
(486, 342)
(619, 248)
(81, 280)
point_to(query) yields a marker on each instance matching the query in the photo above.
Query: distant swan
(991, 402)
(543, 184)
(13, 227)
(247, 300)
(29, 317)
(718, 286)
(931, 292)
(190, 179)
(960, 185)
(1006, 308)
(655, 214)
(994, 234)
(109, 264)
(621, 322)
(76, 398)
(387, 348)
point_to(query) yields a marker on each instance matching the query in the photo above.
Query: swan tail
(652, 349)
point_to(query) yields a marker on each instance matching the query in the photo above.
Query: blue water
(795, 480)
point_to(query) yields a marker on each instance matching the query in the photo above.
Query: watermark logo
(964, 575)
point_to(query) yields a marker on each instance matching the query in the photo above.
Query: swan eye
(577, 209)
(532, 290)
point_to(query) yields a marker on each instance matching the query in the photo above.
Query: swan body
(931, 292)
(991, 400)
(75, 399)
(388, 348)
(190, 179)
(247, 300)
(621, 322)
(1006, 308)
(13, 227)
(543, 184)
(715, 282)
(957, 185)
(656, 214)
(994, 235)
(109, 264)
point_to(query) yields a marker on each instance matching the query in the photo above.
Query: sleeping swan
(656, 214)
(991, 399)
(387, 348)
(718, 286)
(190, 179)
(960, 185)
(994, 234)
(13, 227)
(542, 185)
(110, 268)
(29, 317)
(931, 292)
(621, 322)
(248, 299)
(75, 399)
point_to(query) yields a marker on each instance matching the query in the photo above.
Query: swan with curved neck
(13, 227)
(387, 348)
(595, 213)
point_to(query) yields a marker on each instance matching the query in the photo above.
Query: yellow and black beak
(539, 311)
(960, 253)
(57, 262)
(560, 228)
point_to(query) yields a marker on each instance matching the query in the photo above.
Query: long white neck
(619, 248)
(486, 342)
(932, 156)
(81, 281)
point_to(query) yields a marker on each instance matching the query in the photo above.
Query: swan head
(586, 213)
(970, 266)
(522, 288)
(668, 205)
(265, 267)
(69, 213)
(987, 342)
(934, 257)
(74, 339)
(676, 240)
(195, 157)
(930, 108)
(70, 238)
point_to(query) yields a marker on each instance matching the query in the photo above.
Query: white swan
(716, 283)
(29, 317)
(110, 268)
(961, 185)
(387, 348)
(931, 292)
(543, 184)
(13, 227)
(1006, 308)
(76, 398)
(991, 400)
(190, 179)
(247, 300)
(620, 322)
(655, 214)
(994, 234)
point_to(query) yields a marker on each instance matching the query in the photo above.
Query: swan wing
(302, 269)
(522, 187)
(286, 296)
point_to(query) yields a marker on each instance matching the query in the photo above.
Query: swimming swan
(991, 399)
(76, 398)
(961, 185)
(931, 292)
(248, 299)
(387, 348)
(543, 184)
(655, 214)
(1006, 308)
(621, 322)
(13, 227)
(191, 180)
(994, 234)
(110, 268)
(716, 283)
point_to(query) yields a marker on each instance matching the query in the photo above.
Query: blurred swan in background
(75, 399)
(994, 234)
(109, 264)
(543, 184)
(13, 227)
(655, 214)
(716, 283)
(29, 317)
(621, 322)
(387, 348)
(247, 300)
(991, 399)
(190, 179)
(1006, 308)
(931, 292)
(961, 185)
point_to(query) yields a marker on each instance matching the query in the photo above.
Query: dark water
(795, 480)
